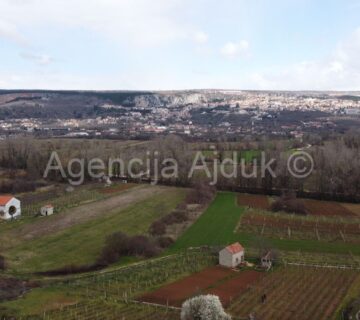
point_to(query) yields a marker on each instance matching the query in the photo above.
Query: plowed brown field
(225, 283)
(254, 201)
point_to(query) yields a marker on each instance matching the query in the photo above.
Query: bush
(119, 244)
(201, 193)
(142, 246)
(2, 263)
(289, 203)
(17, 186)
(203, 307)
(158, 227)
(165, 242)
(115, 245)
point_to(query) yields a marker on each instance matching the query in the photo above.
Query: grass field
(82, 243)
(217, 227)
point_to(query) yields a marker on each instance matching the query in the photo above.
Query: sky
(180, 44)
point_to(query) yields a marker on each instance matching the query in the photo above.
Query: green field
(82, 243)
(217, 227)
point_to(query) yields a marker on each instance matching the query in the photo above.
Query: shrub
(205, 307)
(115, 245)
(142, 246)
(17, 186)
(201, 193)
(119, 244)
(289, 203)
(2, 263)
(157, 228)
(165, 242)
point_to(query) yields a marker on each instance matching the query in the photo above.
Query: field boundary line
(153, 304)
(193, 250)
(302, 264)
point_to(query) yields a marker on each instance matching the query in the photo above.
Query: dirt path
(86, 212)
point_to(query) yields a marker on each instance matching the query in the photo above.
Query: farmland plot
(296, 293)
(326, 208)
(253, 201)
(286, 226)
(102, 309)
(121, 285)
(225, 283)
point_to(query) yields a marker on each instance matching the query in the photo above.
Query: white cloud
(232, 49)
(9, 31)
(140, 22)
(340, 70)
(40, 59)
(201, 37)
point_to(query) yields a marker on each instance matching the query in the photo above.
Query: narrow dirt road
(84, 213)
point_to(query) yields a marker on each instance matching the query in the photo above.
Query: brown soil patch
(234, 287)
(177, 292)
(118, 188)
(253, 201)
(225, 283)
(326, 208)
(353, 207)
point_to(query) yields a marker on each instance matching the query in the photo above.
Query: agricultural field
(62, 200)
(285, 226)
(219, 224)
(48, 243)
(227, 284)
(113, 291)
(253, 201)
(296, 293)
(215, 226)
(103, 309)
(295, 288)
(312, 207)
(327, 208)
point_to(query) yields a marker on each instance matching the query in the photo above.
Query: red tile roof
(5, 199)
(235, 248)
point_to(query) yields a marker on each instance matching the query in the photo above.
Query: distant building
(232, 256)
(47, 210)
(10, 207)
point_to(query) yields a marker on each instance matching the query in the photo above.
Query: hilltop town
(201, 114)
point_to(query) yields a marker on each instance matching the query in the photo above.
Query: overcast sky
(180, 44)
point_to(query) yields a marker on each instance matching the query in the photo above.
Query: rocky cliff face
(65, 104)
(166, 100)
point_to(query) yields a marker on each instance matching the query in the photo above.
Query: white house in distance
(10, 207)
(47, 210)
(232, 256)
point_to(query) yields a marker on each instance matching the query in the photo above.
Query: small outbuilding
(232, 256)
(10, 207)
(267, 260)
(47, 210)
